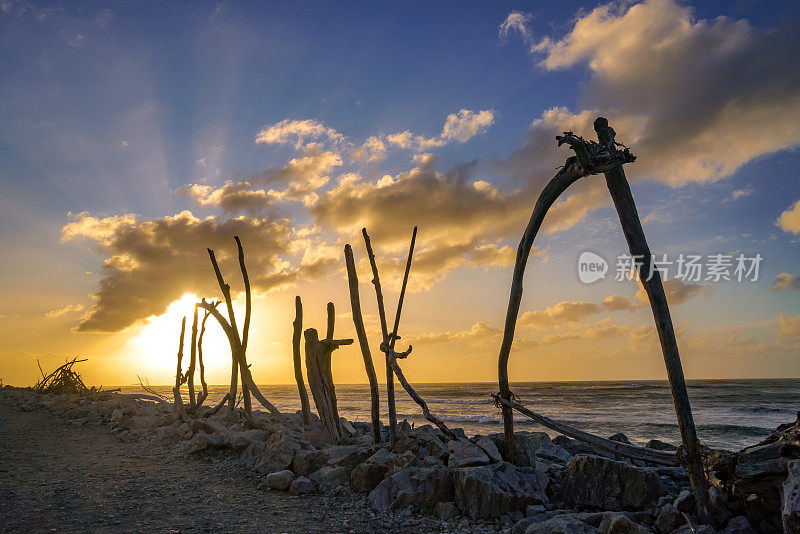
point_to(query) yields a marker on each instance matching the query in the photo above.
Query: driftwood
(218, 407)
(572, 171)
(651, 281)
(192, 363)
(141, 396)
(320, 377)
(180, 378)
(376, 281)
(62, 380)
(247, 311)
(226, 293)
(358, 321)
(622, 449)
(247, 377)
(297, 326)
(203, 395)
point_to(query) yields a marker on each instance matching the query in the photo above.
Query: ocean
(729, 414)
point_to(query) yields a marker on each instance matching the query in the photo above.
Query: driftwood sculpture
(376, 281)
(607, 157)
(320, 377)
(238, 354)
(358, 322)
(298, 370)
(392, 367)
(62, 380)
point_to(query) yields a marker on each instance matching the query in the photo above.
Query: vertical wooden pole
(176, 391)
(226, 293)
(358, 321)
(298, 370)
(192, 362)
(634, 234)
(376, 281)
(246, 325)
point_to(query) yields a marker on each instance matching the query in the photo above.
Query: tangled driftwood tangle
(61, 381)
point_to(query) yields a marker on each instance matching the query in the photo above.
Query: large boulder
(525, 446)
(496, 490)
(610, 485)
(240, 440)
(347, 456)
(306, 462)
(562, 524)
(463, 453)
(275, 454)
(619, 524)
(366, 476)
(415, 486)
(280, 480)
(331, 477)
(422, 438)
(489, 447)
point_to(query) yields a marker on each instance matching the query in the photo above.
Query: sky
(135, 135)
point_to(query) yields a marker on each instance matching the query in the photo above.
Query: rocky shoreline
(424, 482)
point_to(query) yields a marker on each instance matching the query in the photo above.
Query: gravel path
(57, 477)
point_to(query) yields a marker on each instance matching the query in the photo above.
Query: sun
(155, 344)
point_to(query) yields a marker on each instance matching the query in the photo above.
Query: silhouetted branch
(297, 326)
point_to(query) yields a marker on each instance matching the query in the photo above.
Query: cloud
(516, 21)
(785, 282)
(565, 311)
(618, 302)
(736, 194)
(68, 309)
(151, 263)
(296, 132)
(458, 127)
(707, 96)
(677, 291)
(300, 177)
(788, 326)
(604, 329)
(478, 332)
(789, 221)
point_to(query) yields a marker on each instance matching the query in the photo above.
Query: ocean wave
(471, 419)
(627, 386)
(462, 401)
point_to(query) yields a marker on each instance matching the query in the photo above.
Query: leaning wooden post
(298, 371)
(393, 339)
(179, 376)
(192, 363)
(358, 321)
(651, 281)
(203, 395)
(226, 293)
(246, 325)
(376, 281)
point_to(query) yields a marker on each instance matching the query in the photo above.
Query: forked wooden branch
(590, 158)
(393, 356)
(226, 294)
(320, 376)
(247, 310)
(218, 407)
(203, 395)
(622, 449)
(192, 363)
(298, 370)
(358, 322)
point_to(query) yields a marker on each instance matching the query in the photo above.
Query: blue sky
(111, 112)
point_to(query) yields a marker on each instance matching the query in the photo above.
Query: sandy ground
(55, 477)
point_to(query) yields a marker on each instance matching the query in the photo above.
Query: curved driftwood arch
(605, 157)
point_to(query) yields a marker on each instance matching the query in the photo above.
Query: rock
(488, 446)
(738, 525)
(719, 505)
(465, 454)
(660, 445)
(117, 415)
(211, 440)
(563, 524)
(169, 435)
(402, 461)
(790, 498)
(495, 490)
(421, 438)
(347, 456)
(301, 486)
(610, 485)
(446, 510)
(415, 487)
(276, 454)
(669, 518)
(620, 438)
(329, 476)
(551, 451)
(366, 476)
(619, 524)
(209, 426)
(306, 462)
(280, 480)
(525, 446)
(686, 502)
(238, 441)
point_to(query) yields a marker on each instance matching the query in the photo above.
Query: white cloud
(789, 221)
(297, 132)
(65, 310)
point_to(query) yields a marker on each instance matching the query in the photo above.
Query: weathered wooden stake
(226, 293)
(358, 321)
(376, 281)
(298, 370)
(179, 377)
(320, 377)
(246, 325)
(203, 395)
(651, 281)
(192, 362)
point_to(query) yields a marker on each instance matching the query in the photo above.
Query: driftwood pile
(62, 381)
